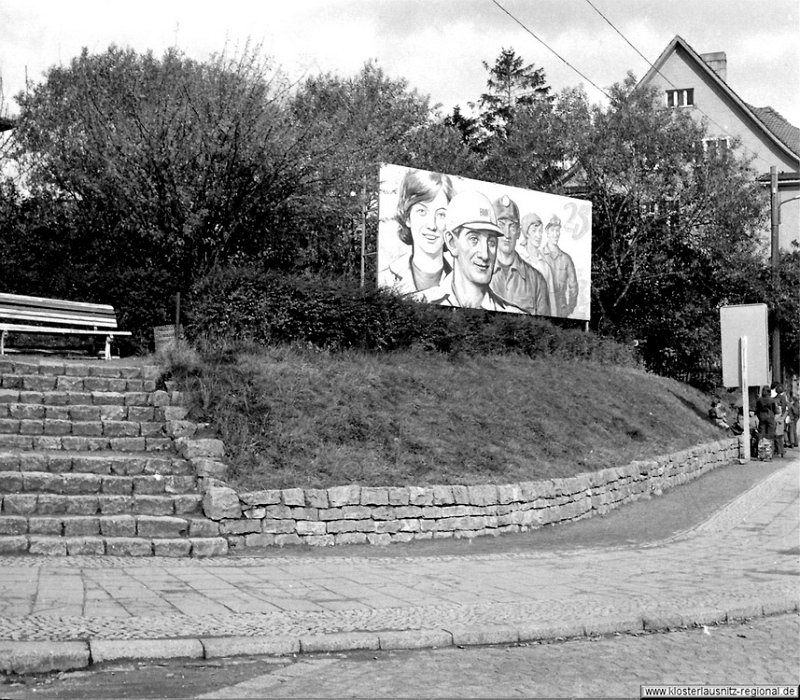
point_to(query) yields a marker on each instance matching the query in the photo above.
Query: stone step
(199, 546)
(76, 443)
(80, 413)
(73, 368)
(121, 463)
(49, 383)
(66, 397)
(51, 504)
(75, 483)
(67, 427)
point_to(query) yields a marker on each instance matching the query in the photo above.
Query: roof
(783, 130)
(765, 119)
(6, 124)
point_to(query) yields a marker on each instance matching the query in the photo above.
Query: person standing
(566, 281)
(513, 279)
(765, 412)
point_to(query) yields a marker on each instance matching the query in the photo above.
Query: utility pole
(775, 220)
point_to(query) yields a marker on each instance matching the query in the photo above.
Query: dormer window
(680, 98)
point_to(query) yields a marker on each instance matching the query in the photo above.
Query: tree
(512, 84)
(169, 162)
(675, 229)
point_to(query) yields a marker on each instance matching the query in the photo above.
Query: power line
(553, 51)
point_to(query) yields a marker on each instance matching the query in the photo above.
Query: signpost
(743, 328)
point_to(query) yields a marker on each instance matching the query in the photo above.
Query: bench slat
(13, 327)
(28, 301)
(45, 316)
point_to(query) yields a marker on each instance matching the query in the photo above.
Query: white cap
(472, 210)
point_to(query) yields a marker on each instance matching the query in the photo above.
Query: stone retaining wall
(381, 515)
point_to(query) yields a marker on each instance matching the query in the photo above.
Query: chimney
(718, 62)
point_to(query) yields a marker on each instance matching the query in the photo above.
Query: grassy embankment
(305, 418)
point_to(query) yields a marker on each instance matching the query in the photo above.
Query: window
(680, 98)
(715, 146)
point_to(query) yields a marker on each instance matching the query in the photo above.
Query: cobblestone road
(761, 651)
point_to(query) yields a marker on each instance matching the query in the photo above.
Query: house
(698, 82)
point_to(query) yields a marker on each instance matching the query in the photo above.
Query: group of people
(771, 425)
(468, 251)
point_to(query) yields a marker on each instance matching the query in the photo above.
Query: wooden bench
(22, 314)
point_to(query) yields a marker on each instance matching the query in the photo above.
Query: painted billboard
(453, 241)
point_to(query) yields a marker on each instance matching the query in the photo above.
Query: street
(759, 651)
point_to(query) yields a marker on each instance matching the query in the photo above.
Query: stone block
(293, 497)
(10, 482)
(259, 540)
(398, 495)
(161, 526)
(200, 527)
(305, 527)
(187, 504)
(13, 545)
(86, 484)
(13, 525)
(49, 546)
(356, 512)
(78, 526)
(482, 495)
(180, 428)
(45, 526)
(509, 493)
(221, 502)
(83, 505)
(190, 448)
(443, 495)
(276, 527)
(209, 547)
(419, 496)
(42, 657)
(279, 512)
(48, 504)
(374, 496)
(112, 413)
(349, 495)
(85, 545)
(205, 467)
(149, 485)
(116, 485)
(118, 526)
(317, 498)
(87, 429)
(120, 429)
(288, 539)
(172, 548)
(239, 527)
(115, 505)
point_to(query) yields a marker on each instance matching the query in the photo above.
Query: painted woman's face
(426, 222)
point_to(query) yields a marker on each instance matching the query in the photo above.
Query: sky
(438, 46)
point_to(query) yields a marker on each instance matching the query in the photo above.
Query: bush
(244, 304)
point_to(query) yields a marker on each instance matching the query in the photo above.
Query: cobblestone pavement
(761, 651)
(742, 562)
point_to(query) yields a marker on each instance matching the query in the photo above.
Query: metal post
(364, 212)
(177, 315)
(745, 397)
(775, 226)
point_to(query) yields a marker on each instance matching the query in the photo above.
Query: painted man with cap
(471, 237)
(566, 281)
(513, 279)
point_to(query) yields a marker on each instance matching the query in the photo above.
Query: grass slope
(305, 418)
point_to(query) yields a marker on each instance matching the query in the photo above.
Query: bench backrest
(39, 310)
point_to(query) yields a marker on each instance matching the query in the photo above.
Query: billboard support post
(745, 398)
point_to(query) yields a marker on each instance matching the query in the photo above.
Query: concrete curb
(22, 657)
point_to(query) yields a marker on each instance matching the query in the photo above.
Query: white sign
(744, 321)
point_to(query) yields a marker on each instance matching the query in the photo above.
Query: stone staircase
(96, 459)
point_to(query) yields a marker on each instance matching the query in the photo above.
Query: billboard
(453, 241)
